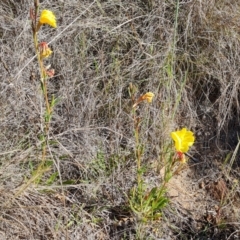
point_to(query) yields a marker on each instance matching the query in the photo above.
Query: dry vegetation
(187, 54)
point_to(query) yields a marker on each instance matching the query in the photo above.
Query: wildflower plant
(144, 202)
(147, 204)
(43, 51)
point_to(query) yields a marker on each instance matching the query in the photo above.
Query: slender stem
(138, 150)
(48, 109)
(42, 72)
(40, 63)
(44, 89)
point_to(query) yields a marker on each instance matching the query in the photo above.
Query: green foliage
(147, 205)
(52, 178)
(104, 165)
(40, 171)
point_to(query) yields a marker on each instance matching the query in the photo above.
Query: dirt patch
(204, 204)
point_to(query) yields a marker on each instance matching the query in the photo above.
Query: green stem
(48, 109)
(137, 150)
(44, 89)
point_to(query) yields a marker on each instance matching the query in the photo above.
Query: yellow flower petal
(148, 96)
(44, 50)
(48, 17)
(46, 53)
(183, 139)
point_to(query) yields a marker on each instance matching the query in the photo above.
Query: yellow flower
(46, 53)
(148, 96)
(183, 140)
(44, 50)
(48, 17)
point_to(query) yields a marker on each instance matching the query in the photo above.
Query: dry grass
(190, 60)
